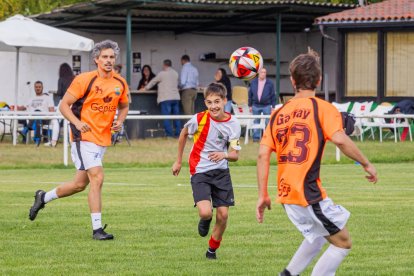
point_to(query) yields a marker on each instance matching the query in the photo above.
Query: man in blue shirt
(188, 85)
(262, 98)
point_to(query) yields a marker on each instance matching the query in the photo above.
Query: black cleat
(204, 227)
(100, 234)
(38, 204)
(211, 255)
(285, 272)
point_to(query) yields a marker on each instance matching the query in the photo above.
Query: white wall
(157, 46)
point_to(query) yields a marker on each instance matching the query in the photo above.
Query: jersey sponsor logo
(107, 99)
(301, 113)
(220, 138)
(283, 188)
(98, 89)
(106, 107)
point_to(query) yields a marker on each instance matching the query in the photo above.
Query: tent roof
(182, 16)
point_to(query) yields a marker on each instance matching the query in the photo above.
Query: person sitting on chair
(40, 103)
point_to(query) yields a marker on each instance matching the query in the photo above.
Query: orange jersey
(97, 103)
(297, 132)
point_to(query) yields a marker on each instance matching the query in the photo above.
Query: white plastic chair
(342, 107)
(251, 126)
(361, 109)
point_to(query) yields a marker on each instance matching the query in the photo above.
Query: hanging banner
(76, 64)
(136, 62)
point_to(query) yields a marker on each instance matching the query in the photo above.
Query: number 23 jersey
(297, 132)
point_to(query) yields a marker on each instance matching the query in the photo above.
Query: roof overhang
(184, 16)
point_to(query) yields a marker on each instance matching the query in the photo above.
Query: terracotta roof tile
(388, 10)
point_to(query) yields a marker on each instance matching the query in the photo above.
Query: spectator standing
(262, 98)
(221, 77)
(168, 96)
(188, 85)
(146, 76)
(66, 77)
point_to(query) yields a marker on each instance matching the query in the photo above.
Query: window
(361, 64)
(399, 58)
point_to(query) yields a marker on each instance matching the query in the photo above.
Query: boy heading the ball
(216, 142)
(297, 132)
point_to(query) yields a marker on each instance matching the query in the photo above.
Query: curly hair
(103, 45)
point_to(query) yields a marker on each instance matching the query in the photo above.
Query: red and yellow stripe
(200, 138)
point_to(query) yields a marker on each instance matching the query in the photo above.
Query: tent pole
(128, 46)
(16, 90)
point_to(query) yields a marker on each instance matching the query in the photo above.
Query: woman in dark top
(221, 77)
(147, 76)
(65, 79)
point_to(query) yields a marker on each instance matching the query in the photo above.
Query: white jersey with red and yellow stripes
(211, 135)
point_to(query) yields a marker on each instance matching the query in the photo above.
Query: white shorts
(87, 155)
(318, 220)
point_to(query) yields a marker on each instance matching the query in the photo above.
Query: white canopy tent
(22, 34)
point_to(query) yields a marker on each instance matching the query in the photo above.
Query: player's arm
(345, 144)
(232, 155)
(263, 163)
(67, 101)
(123, 109)
(181, 145)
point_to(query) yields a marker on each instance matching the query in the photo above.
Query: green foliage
(28, 7)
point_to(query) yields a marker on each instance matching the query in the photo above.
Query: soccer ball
(245, 63)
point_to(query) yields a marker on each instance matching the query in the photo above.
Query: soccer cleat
(100, 234)
(285, 272)
(38, 204)
(204, 227)
(211, 255)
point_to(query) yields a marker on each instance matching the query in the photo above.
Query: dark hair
(36, 82)
(65, 71)
(215, 89)
(226, 82)
(167, 62)
(185, 57)
(118, 67)
(151, 75)
(143, 81)
(306, 71)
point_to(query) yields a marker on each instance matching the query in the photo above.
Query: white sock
(330, 261)
(96, 220)
(304, 255)
(51, 195)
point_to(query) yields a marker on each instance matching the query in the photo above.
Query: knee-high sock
(330, 261)
(304, 255)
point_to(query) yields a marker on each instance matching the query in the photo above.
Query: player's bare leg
(218, 231)
(205, 212)
(96, 178)
(77, 185)
(329, 262)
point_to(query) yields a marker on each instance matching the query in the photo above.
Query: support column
(128, 46)
(278, 34)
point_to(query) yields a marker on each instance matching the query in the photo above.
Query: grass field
(155, 226)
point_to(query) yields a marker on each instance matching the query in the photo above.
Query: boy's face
(215, 105)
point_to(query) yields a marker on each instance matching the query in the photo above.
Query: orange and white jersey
(297, 132)
(97, 103)
(211, 135)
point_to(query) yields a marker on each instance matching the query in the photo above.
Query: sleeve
(192, 125)
(183, 77)
(250, 96)
(331, 120)
(267, 138)
(234, 137)
(50, 102)
(77, 88)
(154, 81)
(124, 96)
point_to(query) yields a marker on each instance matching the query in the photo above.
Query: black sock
(212, 250)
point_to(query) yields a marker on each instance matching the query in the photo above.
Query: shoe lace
(103, 228)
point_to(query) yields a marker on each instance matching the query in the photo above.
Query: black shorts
(214, 185)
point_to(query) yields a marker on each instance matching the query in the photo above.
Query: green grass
(151, 215)
(162, 152)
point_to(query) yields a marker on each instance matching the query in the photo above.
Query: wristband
(226, 155)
